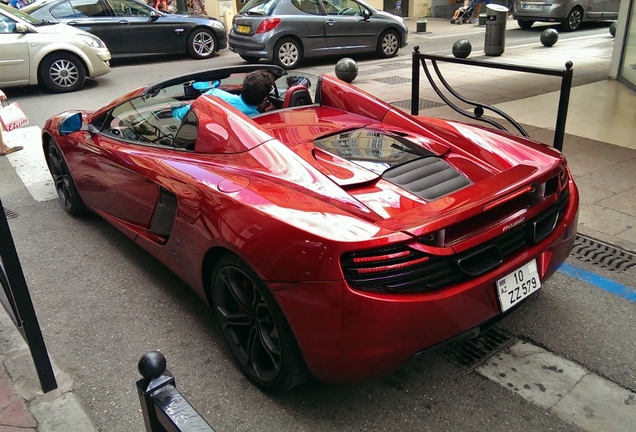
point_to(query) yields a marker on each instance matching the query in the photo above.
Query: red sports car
(334, 235)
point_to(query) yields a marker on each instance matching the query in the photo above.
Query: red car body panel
(261, 189)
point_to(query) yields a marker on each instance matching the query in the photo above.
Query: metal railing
(163, 407)
(479, 109)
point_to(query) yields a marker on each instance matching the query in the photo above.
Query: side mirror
(366, 14)
(154, 16)
(70, 124)
(21, 28)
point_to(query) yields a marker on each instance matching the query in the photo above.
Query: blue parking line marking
(599, 281)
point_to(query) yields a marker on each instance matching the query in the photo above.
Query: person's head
(256, 86)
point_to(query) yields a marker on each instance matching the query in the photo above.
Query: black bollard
(165, 409)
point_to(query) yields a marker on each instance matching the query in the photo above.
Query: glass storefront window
(628, 68)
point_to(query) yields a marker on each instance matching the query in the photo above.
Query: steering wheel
(344, 11)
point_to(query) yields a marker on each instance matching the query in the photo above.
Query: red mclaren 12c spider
(334, 235)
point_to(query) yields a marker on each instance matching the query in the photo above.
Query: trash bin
(496, 17)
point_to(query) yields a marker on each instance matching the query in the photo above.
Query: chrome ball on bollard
(346, 69)
(462, 48)
(549, 37)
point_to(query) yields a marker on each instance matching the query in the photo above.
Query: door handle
(330, 22)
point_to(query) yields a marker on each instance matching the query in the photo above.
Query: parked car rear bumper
(551, 13)
(248, 47)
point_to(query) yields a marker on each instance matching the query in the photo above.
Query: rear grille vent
(428, 177)
(403, 270)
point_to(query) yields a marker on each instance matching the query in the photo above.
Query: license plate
(515, 287)
(530, 6)
(243, 29)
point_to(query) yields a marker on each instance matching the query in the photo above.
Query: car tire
(525, 24)
(573, 20)
(254, 327)
(288, 53)
(250, 59)
(62, 72)
(201, 44)
(388, 44)
(63, 182)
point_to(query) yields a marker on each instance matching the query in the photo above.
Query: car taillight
(392, 259)
(391, 267)
(267, 25)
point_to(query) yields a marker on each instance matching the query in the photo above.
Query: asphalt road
(102, 302)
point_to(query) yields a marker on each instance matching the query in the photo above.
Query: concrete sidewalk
(23, 406)
(597, 144)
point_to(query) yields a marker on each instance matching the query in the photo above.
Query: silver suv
(286, 31)
(570, 13)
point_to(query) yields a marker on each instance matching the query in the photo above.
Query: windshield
(259, 7)
(19, 14)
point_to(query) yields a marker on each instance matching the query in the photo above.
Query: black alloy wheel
(254, 327)
(64, 185)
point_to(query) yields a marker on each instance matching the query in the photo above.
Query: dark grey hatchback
(132, 28)
(286, 31)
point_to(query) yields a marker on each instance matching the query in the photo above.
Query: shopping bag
(12, 116)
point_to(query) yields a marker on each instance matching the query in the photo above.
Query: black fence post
(415, 86)
(165, 409)
(564, 102)
(16, 300)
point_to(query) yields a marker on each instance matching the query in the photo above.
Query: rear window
(372, 149)
(259, 7)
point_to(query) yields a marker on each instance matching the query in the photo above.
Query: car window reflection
(129, 8)
(79, 9)
(146, 120)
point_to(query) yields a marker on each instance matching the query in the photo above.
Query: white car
(56, 55)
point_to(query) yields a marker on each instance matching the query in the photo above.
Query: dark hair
(256, 86)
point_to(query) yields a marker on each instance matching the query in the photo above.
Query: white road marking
(30, 164)
(564, 388)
